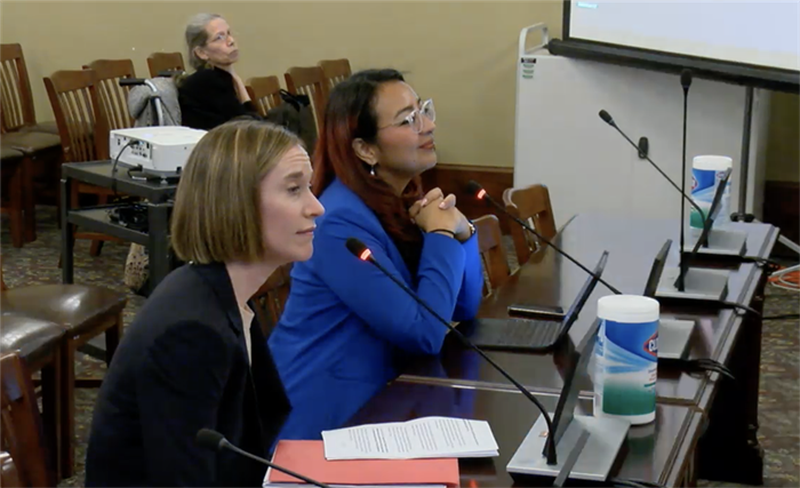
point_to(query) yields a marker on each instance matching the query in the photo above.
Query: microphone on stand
(686, 82)
(211, 439)
(610, 121)
(476, 190)
(362, 252)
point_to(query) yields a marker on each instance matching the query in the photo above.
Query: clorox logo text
(650, 346)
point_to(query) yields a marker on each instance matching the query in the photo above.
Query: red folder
(308, 459)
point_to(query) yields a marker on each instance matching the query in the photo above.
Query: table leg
(158, 248)
(67, 233)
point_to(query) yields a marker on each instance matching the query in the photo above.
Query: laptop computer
(532, 336)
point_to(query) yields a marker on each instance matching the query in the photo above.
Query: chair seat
(33, 338)
(31, 142)
(8, 153)
(48, 127)
(76, 308)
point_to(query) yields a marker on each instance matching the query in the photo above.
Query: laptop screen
(577, 362)
(583, 295)
(655, 272)
(712, 211)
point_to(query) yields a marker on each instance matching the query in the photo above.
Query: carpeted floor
(779, 400)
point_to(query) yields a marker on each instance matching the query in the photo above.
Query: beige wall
(461, 53)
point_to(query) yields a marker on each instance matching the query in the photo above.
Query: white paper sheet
(427, 437)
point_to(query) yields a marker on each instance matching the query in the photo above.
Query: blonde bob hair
(217, 216)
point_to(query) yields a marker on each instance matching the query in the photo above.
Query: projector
(160, 151)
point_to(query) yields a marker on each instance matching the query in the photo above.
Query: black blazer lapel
(273, 402)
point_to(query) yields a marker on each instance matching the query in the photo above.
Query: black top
(182, 365)
(208, 98)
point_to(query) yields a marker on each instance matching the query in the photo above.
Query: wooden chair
(17, 100)
(531, 204)
(265, 92)
(12, 193)
(9, 476)
(38, 343)
(493, 253)
(334, 71)
(158, 62)
(270, 299)
(22, 424)
(79, 313)
(112, 97)
(311, 82)
(39, 142)
(83, 129)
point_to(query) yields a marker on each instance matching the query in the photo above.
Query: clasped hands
(437, 212)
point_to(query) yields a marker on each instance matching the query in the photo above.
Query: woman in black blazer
(195, 357)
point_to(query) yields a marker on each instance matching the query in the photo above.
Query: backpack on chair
(296, 115)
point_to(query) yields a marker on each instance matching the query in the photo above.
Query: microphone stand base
(703, 284)
(606, 436)
(673, 338)
(721, 242)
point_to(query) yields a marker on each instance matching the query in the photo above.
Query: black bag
(295, 113)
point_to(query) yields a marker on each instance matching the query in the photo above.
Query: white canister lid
(628, 308)
(712, 163)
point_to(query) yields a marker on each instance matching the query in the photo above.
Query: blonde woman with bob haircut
(195, 357)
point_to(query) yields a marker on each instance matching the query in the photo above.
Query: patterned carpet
(779, 401)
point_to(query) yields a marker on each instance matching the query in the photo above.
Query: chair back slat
(23, 432)
(113, 98)
(309, 81)
(271, 298)
(265, 92)
(81, 124)
(158, 62)
(16, 103)
(531, 204)
(9, 475)
(335, 71)
(493, 253)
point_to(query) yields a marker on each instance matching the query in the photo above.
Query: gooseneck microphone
(686, 82)
(610, 121)
(362, 252)
(476, 190)
(211, 439)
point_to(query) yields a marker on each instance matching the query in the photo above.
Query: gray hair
(197, 36)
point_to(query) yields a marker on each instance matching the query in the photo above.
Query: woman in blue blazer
(346, 327)
(195, 357)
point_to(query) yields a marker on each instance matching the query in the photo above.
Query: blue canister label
(704, 186)
(630, 362)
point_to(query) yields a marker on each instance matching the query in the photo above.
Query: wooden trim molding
(453, 178)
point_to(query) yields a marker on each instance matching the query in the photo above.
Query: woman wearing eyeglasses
(346, 327)
(214, 93)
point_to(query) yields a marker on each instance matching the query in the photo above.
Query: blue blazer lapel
(344, 196)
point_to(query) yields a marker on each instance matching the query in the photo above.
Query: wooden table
(729, 449)
(661, 452)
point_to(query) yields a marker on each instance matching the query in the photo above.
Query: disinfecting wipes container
(707, 171)
(626, 359)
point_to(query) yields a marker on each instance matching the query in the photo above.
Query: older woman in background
(214, 93)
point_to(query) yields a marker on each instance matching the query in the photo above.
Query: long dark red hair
(349, 115)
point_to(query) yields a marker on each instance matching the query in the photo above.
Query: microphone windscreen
(356, 247)
(473, 187)
(686, 78)
(606, 117)
(210, 439)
